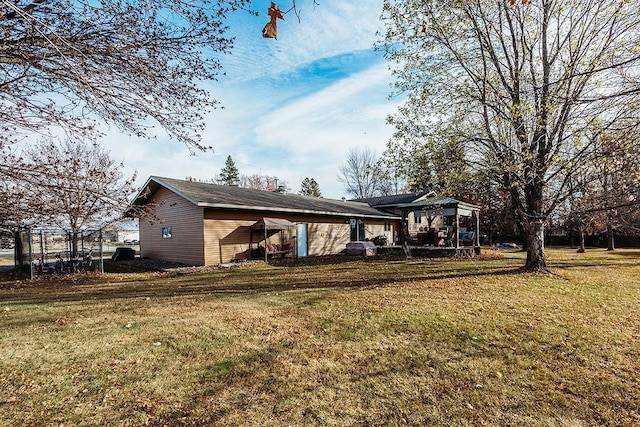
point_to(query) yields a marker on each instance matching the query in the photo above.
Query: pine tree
(229, 174)
(315, 189)
(310, 187)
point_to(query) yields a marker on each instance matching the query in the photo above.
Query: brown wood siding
(375, 228)
(213, 236)
(330, 235)
(226, 235)
(186, 244)
(326, 235)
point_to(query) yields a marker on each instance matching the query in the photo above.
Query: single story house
(206, 224)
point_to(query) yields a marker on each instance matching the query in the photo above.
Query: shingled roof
(388, 200)
(229, 197)
(394, 200)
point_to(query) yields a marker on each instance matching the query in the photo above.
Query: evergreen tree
(229, 174)
(310, 187)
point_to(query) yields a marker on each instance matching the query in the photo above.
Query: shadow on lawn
(613, 259)
(627, 253)
(244, 281)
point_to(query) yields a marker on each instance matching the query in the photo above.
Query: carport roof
(273, 224)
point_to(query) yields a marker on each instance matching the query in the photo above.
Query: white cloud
(330, 29)
(308, 136)
(317, 131)
(292, 108)
(350, 102)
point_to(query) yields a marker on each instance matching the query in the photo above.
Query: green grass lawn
(330, 343)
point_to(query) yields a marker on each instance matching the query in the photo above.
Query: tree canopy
(361, 173)
(526, 87)
(79, 185)
(134, 64)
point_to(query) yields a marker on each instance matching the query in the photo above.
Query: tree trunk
(610, 239)
(533, 224)
(74, 244)
(581, 249)
(18, 250)
(534, 241)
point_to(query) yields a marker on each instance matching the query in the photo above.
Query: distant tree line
(230, 175)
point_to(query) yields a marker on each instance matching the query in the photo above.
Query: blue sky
(293, 107)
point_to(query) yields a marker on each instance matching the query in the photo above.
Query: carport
(267, 227)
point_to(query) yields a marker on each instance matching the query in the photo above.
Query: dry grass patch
(362, 342)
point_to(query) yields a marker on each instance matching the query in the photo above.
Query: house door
(302, 248)
(357, 230)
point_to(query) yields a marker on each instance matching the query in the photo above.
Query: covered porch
(441, 227)
(263, 243)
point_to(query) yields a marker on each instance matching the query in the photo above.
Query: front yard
(358, 342)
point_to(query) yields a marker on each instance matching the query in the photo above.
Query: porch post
(266, 255)
(457, 228)
(404, 231)
(478, 228)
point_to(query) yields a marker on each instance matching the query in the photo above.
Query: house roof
(426, 200)
(229, 197)
(389, 200)
(397, 199)
(438, 202)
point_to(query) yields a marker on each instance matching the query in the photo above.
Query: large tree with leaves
(134, 64)
(74, 186)
(523, 84)
(67, 66)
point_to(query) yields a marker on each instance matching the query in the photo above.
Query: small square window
(166, 232)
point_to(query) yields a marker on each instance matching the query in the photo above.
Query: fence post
(101, 260)
(30, 254)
